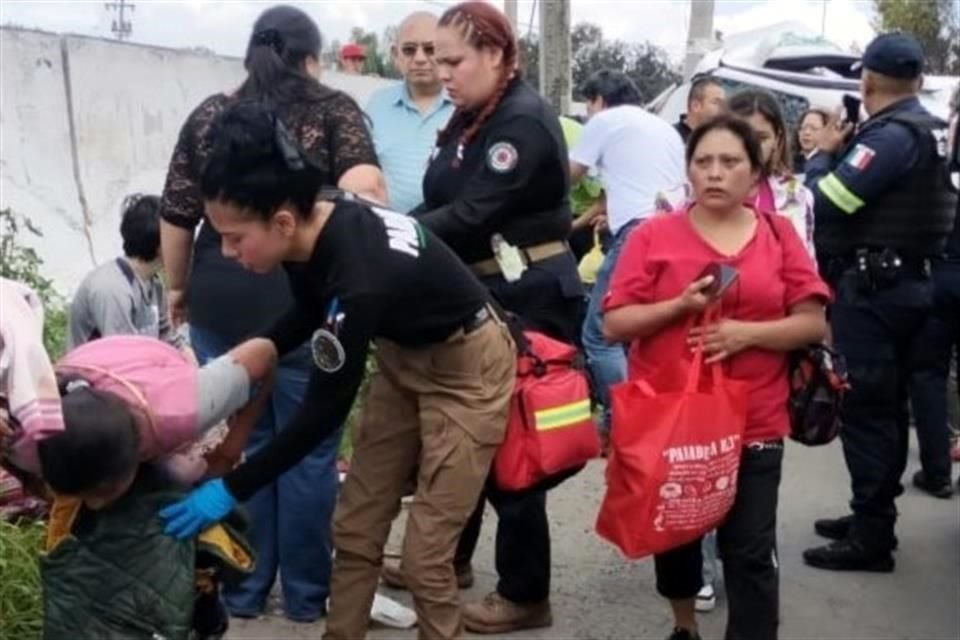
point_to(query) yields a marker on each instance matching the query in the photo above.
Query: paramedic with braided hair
(496, 191)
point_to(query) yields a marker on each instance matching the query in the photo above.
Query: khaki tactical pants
(436, 413)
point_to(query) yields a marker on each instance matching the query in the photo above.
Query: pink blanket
(27, 382)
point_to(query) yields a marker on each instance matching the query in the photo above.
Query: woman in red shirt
(776, 305)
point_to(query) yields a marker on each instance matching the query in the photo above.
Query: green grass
(21, 606)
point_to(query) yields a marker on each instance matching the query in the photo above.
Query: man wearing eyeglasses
(406, 117)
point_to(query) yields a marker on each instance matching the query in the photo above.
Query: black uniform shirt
(513, 179)
(878, 157)
(373, 274)
(880, 160)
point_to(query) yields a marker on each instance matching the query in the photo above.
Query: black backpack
(818, 382)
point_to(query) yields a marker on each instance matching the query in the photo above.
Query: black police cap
(896, 55)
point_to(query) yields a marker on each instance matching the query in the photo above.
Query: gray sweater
(113, 300)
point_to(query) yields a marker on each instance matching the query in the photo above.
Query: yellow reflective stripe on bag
(562, 416)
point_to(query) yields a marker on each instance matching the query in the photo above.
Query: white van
(799, 67)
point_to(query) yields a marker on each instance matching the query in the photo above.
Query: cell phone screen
(723, 278)
(712, 269)
(728, 276)
(852, 106)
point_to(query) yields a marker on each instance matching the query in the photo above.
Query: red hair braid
(482, 26)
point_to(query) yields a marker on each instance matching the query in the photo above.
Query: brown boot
(393, 576)
(496, 614)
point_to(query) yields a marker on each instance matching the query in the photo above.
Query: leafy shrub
(21, 263)
(21, 608)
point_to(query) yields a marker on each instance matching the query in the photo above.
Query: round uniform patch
(502, 157)
(328, 353)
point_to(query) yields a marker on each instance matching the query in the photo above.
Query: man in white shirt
(637, 155)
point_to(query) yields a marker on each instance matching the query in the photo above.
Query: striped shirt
(404, 138)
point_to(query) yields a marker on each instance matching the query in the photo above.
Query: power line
(121, 28)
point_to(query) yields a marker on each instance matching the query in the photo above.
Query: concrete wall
(86, 121)
(36, 165)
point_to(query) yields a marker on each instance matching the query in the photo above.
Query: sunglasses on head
(409, 49)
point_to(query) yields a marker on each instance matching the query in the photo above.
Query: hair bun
(268, 38)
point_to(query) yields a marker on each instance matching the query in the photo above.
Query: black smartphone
(723, 278)
(851, 105)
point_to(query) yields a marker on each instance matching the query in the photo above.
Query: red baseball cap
(352, 50)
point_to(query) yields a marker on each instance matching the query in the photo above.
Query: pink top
(764, 200)
(149, 374)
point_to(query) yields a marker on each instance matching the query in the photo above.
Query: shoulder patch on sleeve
(502, 157)
(860, 157)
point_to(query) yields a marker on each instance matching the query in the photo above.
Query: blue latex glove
(207, 504)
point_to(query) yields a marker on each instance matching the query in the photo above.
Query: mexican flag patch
(861, 157)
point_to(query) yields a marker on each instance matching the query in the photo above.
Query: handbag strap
(644, 387)
(768, 219)
(717, 376)
(696, 367)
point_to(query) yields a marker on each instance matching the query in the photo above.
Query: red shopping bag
(550, 430)
(675, 453)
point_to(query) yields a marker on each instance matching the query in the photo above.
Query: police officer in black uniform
(883, 211)
(947, 276)
(941, 340)
(497, 192)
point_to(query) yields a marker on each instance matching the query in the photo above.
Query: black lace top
(223, 298)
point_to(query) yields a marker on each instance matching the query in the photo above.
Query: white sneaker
(706, 599)
(391, 613)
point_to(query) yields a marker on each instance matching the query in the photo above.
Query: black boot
(834, 528)
(839, 529)
(683, 634)
(936, 487)
(849, 555)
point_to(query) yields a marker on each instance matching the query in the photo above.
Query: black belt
(530, 255)
(915, 265)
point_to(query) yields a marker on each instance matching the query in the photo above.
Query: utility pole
(555, 55)
(510, 8)
(121, 27)
(699, 34)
